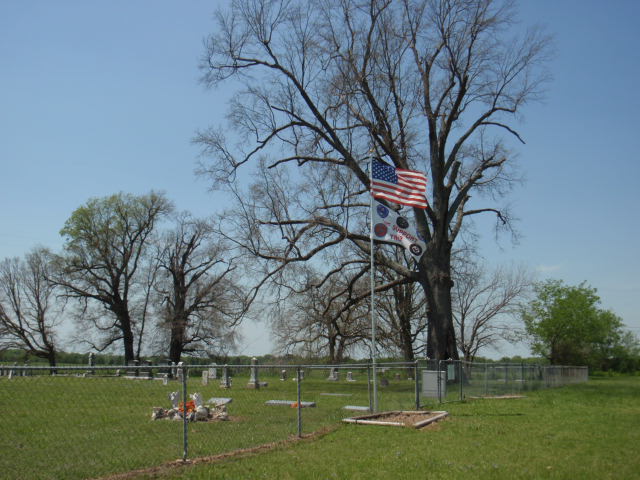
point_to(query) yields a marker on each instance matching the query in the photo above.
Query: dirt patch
(158, 471)
(407, 418)
(401, 418)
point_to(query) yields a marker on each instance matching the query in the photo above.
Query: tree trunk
(332, 349)
(436, 282)
(176, 343)
(127, 336)
(51, 358)
(340, 352)
(406, 340)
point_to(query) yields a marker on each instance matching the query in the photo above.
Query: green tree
(106, 240)
(566, 325)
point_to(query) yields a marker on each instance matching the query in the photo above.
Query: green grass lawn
(72, 428)
(582, 431)
(69, 427)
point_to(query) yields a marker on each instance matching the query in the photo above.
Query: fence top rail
(355, 366)
(143, 367)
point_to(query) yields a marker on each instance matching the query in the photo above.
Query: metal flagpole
(373, 283)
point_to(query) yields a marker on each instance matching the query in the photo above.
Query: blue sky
(102, 97)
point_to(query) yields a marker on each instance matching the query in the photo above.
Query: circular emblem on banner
(380, 229)
(402, 222)
(415, 249)
(382, 211)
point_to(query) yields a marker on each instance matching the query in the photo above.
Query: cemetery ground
(70, 427)
(586, 431)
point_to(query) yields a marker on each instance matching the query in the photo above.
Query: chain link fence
(455, 380)
(92, 421)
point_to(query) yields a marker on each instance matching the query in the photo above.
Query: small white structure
(434, 384)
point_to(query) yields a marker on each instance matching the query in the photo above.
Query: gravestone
(174, 397)
(357, 408)
(225, 382)
(219, 401)
(333, 376)
(397, 376)
(205, 378)
(253, 381)
(350, 377)
(213, 372)
(92, 363)
(180, 371)
(384, 382)
(197, 399)
(283, 375)
(290, 403)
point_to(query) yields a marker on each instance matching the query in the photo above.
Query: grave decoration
(194, 410)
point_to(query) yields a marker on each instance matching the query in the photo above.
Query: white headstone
(175, 399)
(197, 399)
(253, 381)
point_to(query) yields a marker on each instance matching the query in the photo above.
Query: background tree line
(136, 275)
(125, 281)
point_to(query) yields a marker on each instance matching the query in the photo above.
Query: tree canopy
(429, 85)
(105, 244)
(567, 326)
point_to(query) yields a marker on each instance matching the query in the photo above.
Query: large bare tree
(402, 320)
(315, 323)
(202, 300)
(486, 303)
(106, 241)
(29, 311)
(429, 85)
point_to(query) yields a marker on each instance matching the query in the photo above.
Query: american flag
(406, 187)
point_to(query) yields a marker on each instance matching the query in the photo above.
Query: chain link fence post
(185, 421)
(369, 388)
(417, 384)
(439, 381)
(299, 389)
(459, 364)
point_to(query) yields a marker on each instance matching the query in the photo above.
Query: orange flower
(191, 406)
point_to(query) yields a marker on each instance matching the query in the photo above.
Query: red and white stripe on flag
(406, 187)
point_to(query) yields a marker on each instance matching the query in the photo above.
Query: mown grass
(582, 431)
(71, 428)
(68, 427)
